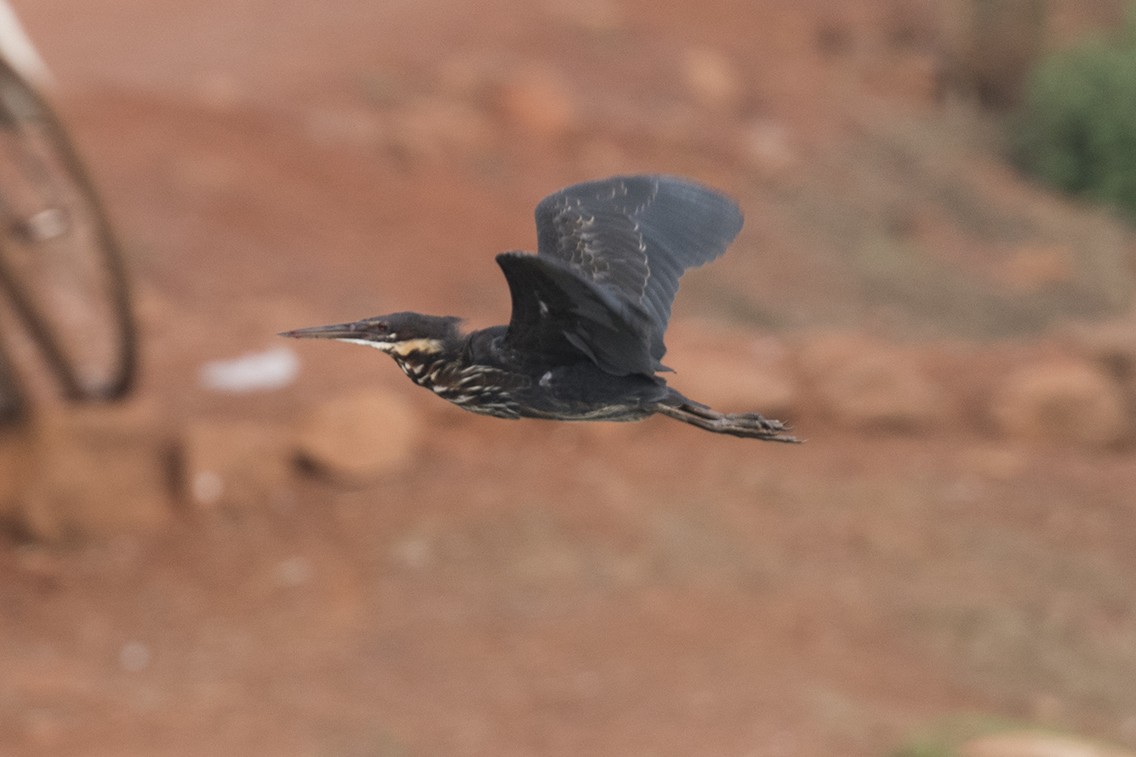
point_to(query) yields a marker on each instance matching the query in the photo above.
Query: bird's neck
(425, 360)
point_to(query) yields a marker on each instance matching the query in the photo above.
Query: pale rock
(134, 656)
(864, 384)
(357, 439)
(272, 368)
(1067, 400)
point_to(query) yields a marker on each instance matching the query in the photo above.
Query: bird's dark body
(482, 374)
(585, 339)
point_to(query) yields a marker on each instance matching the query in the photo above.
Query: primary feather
(609, 257)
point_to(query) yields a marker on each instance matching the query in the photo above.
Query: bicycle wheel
(13, 404)
(60, 264)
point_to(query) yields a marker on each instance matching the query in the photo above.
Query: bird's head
(399, 334)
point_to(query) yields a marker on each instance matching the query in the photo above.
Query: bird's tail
(745, 425)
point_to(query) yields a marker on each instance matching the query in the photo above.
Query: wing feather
(634, 236)
(562, 317)
(610, 254)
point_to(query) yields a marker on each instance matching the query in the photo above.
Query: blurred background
(288, 549)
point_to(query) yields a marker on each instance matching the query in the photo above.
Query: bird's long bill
(351, 330)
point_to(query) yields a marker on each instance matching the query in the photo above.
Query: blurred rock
(1026, 744)
(1065, 400)
(268, 369)
(99, 470)
(234, 465)
(134, 656)
(357, 439)
(712, 79)
(538, 99)
(864, 384)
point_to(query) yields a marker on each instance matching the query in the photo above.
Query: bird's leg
(746, 425)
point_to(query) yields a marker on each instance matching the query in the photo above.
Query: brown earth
(954, 540)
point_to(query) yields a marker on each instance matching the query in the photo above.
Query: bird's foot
(753, 426)
(745, 425)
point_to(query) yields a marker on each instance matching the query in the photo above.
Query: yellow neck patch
(428, 346)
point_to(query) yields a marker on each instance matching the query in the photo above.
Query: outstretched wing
(633, 236)
(610, 254)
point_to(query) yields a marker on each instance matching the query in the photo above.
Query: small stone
(264, 370)
(868, 385)
(1027, 744)
(134, 657)
(357, 439)
(207, 487)
(414, 552)
(539, 100)
(293, 572)
(1066, 400)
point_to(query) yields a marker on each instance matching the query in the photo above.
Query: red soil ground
(539, 589)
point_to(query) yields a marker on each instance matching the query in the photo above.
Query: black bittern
(585, 338)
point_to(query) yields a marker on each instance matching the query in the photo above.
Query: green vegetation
(1077, 126)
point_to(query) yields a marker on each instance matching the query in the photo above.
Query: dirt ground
(538, 589)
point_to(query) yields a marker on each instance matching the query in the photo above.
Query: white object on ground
(252, 372)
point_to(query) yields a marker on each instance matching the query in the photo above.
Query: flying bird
(585, 338)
